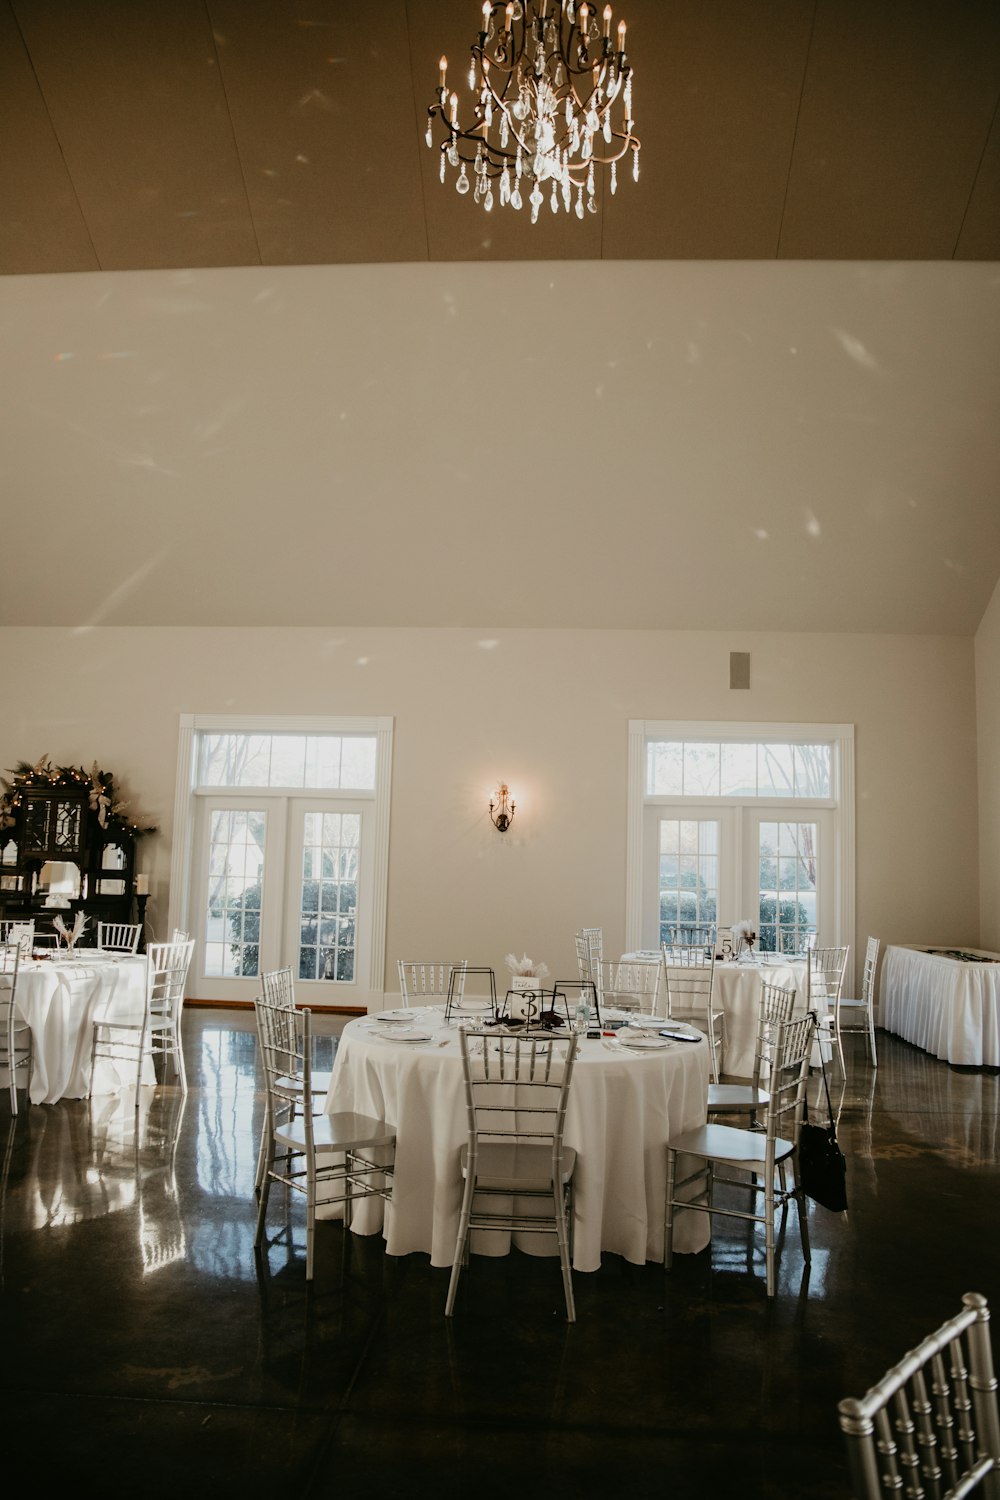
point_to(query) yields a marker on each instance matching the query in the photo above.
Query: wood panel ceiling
(147, 134)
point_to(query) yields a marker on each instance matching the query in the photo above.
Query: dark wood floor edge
(321, 1010)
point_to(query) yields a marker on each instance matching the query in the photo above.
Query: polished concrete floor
(148, 1351)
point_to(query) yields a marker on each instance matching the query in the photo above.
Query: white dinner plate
(397, 1015)
(642, 1043)
(404, 1034)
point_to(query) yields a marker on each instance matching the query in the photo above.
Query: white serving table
(738, 987)
(60, 999)
(623, 1109)
(947, 1006)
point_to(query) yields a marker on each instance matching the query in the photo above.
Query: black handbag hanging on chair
(822, 1165)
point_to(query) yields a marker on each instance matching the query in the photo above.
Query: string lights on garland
(552, 101)
(102, 794)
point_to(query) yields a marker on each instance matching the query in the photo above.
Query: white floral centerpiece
(70, 935)
(744, 937)
(525, 975)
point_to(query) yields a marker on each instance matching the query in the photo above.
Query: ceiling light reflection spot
(953, 566)
(487, 645)
(65, 354)
(760, 533)
(362, 661)
(855, 349)
(812, 525)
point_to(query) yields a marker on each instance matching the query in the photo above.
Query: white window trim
(186, 795)
(841, 736)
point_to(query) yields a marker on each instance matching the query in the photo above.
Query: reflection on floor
(147, 1350)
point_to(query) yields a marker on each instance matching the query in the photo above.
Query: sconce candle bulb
(502, 808)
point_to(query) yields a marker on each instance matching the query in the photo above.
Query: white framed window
(728, 821)
(281, 853)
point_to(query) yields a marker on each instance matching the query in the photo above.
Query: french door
(282, 879)
(771, 864)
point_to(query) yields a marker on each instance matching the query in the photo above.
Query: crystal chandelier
(547, 85)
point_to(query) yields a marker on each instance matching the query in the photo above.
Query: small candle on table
(142, 885)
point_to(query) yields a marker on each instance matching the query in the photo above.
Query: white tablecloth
(60, 999)
(738, 992)
(623, 1108)
(950, 1008)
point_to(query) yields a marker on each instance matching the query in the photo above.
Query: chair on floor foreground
(15, 1034)
(930, 1427)
(690, 982)
(305, 1151)
(761, 1154)
(750, 1099)
(157, 1033)
(824, 984)
(859, 1015)
(516, 1090)
(278, 989)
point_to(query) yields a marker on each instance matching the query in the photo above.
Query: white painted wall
(546, 710)
(987, 654)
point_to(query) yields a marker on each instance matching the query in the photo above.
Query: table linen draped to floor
(738, 993)
(60, 1000)
(948, 1007)
(622, 1111)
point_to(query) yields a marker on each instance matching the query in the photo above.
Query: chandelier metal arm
(544, 83)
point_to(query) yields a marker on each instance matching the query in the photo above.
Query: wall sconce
(502, 808)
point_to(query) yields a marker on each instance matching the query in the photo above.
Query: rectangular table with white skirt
(947, 1005)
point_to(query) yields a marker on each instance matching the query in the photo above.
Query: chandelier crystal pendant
(552, 101)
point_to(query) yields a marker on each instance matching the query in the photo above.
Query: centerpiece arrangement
(744, 937)
(70, 935)
(525, 973)
(526, 978)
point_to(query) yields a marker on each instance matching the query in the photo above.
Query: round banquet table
(738, 991)
(623, 1109)
(60, 999)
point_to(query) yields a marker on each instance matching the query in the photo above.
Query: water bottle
(582, 1015)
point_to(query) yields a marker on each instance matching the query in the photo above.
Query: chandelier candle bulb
(544, 101)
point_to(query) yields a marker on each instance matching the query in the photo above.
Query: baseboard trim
(321, 1010)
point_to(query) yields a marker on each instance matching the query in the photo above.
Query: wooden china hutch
(62, 852)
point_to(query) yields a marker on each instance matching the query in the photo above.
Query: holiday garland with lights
(104, 799)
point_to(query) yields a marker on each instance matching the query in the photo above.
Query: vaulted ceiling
(755, 425)
(144, 134)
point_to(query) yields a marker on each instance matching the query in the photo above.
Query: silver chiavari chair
(690, 987)
(859, 1015)
(825, 981)
(516, 1091)
(776, 1006)
(423, 981)
(16, 1045)
(118, 937)
(930, 1426)
(157, 1033)
(278, 991)
(720, 1150)
(307, 1150)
